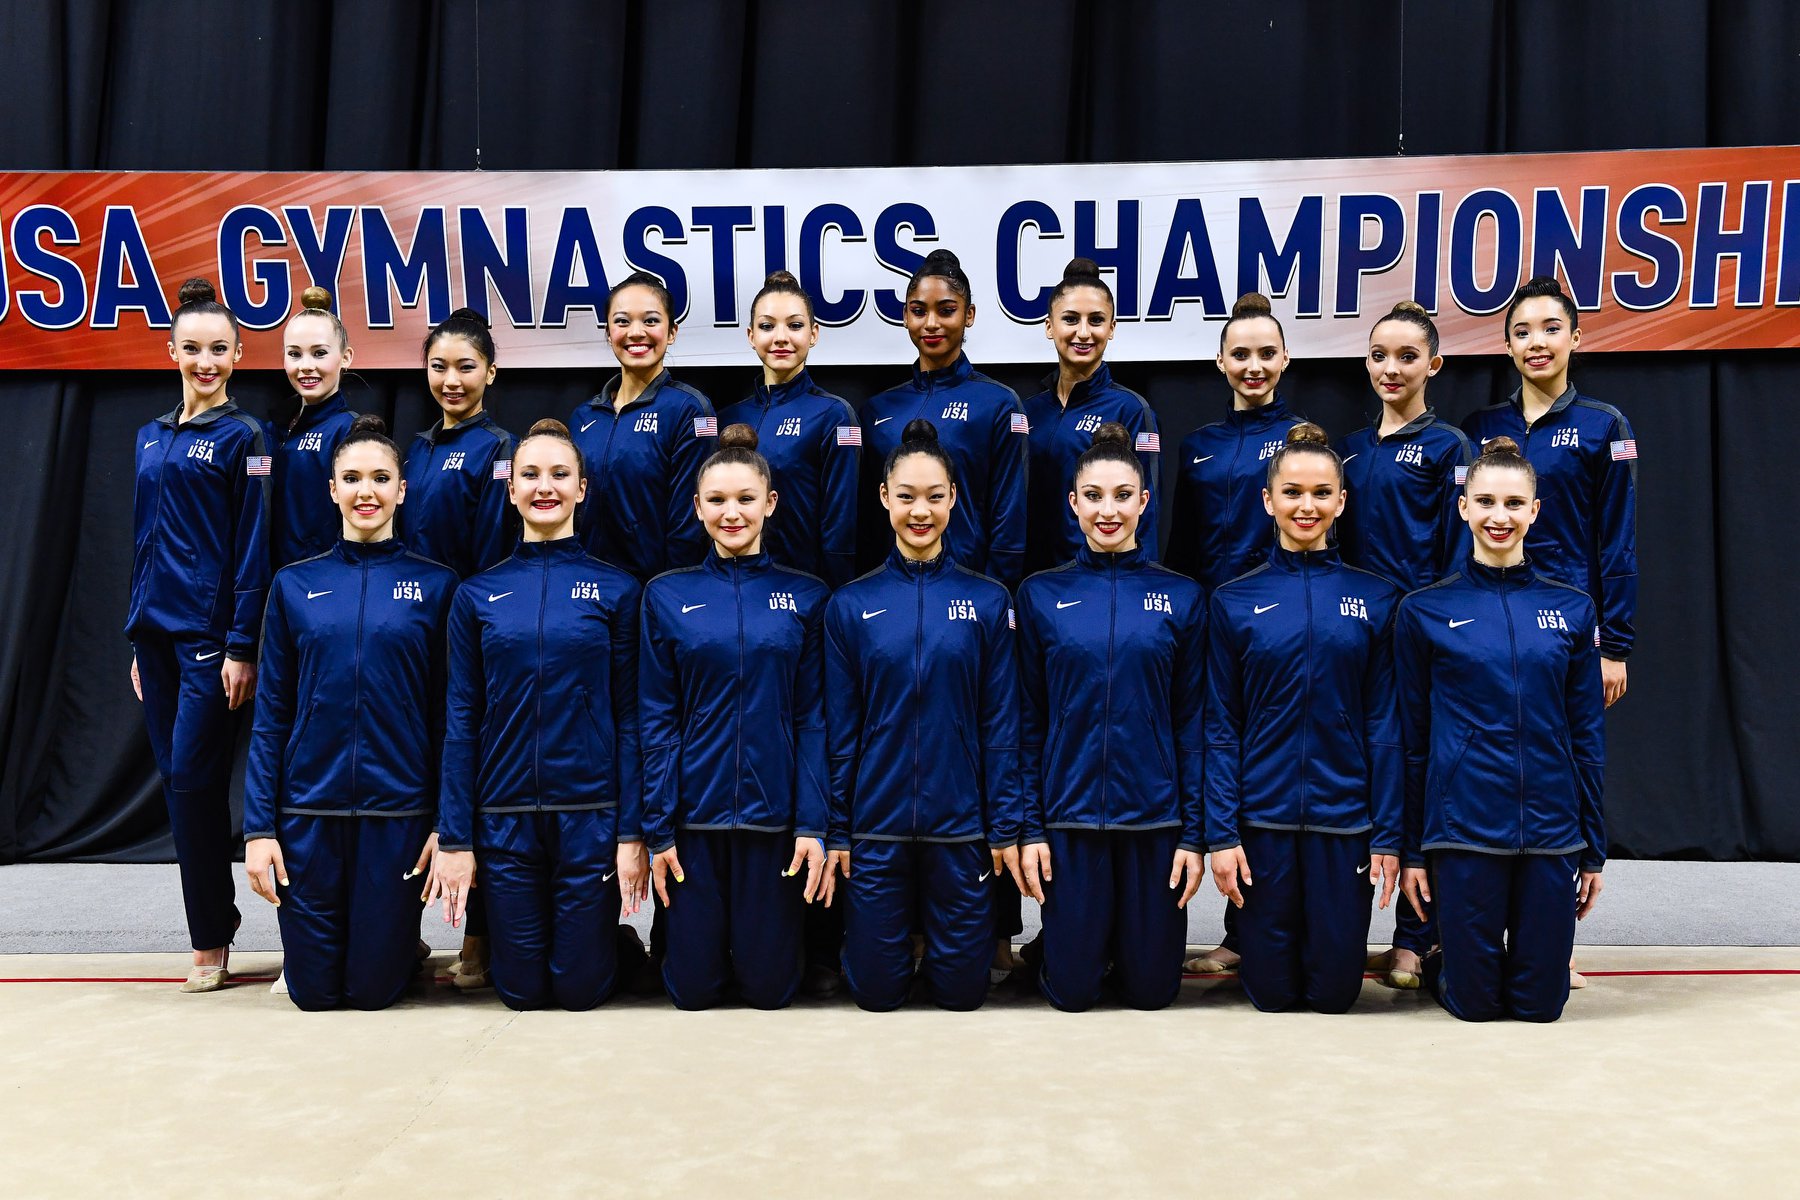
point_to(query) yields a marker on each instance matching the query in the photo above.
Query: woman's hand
(240, 682)
(1034, 865)
(1612, 679)
(663, 864)
(137, 686)
(424, 864)
(1007, 861)
(634, 877)
(452, 875)
(1417, 887)
(261, 857)
(1384, 873)
(1587, 892)
(1228, 866)
(1193, 865)
(836, 862)
(810, 851)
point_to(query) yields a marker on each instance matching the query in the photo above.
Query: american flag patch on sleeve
(503, 468)
(1149, 443)
(1020, 424)
(257, 464)
(706, 427)
(849, 435)
(1624, 450)
(1596, 635)
(1462, 475)
(1012, 622)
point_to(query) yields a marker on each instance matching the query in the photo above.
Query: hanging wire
(1400, 146)
(478, 84)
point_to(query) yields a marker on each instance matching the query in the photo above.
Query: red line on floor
(1584, 971)
(235, 979)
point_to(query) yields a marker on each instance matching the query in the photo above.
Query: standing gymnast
(199, 571)
(809, 437)
(1501, 705)
(341, 788)
(1303, 800)
(1218, 527)
(645, 435)
(1404, 474)
(980, 425)
(732, 676)
(315, 353)
(459, 511)
(541, 778)
(923, 720)
(1112, 663)
(1065, 418)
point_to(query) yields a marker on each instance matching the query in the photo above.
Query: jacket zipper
(1112, 621)
(918, 689)
(362, 603)
(737, 792)
(1518, 705)
(1306, 693)
(537, 700)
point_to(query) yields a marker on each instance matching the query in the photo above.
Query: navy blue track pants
(1109, 900)
(192, 732)
(349, 918)
(1507, 923)
(1411, 933)
(553, 906)
(946, 887)
(1304, 927)
(734, 918)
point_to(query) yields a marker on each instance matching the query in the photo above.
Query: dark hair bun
(642, 278)
(781, 279)
(738, 435)
(941, 258)
(1251, 304)
(1500, 445)
(1307, 434)
(315, 299)
(468, 314)
(550, 426)
(1543, 285)
(1081, 270)
(919, 429)
(196, 291)
(1410, 307)
(368, 423)
(1112, 433)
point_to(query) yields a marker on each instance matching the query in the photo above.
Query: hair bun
(1111, 433)
(1500, 445)
(369, 423)
(919, 429)
(468, 314)
(941, 258)
(548, 425)
(1408, 306)
(642, 278)
(781, 279)
(1081, 270)
(315, 299)
(1543, 285)
(1307, 434)
(1251, 304)
(196, 291)
(739, 435)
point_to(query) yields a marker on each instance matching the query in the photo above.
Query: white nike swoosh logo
(1067, 603)
(588, 426)
(609, 875)
(1353, 456)
(1363, 870)
(1208, 458)
(492, 597)
(867, 614)
(879, 420)
(204, 657)
(147, 445)
(1460, 624)
(984, 876)
(316, 595)
(1266, 607)
(688, 608)
(1485, 441)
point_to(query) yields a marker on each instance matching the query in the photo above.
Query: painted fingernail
(284, 883)
(681, 879)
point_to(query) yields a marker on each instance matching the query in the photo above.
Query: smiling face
(937, 321)
(1108, 500)
(1253, 358)
(733, 503)
(1540, 340)
(1080, 325)
(459, 376)
(206, 348)
(918, 495)
(1399, 363)
(638, 330)
(367, 487)
(1499, 505)
(782, 334)
(313, 356)
(546, 487)
(1305, 498)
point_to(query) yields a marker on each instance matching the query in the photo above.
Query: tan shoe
(1577, 980)
(207, 979)
(1211, 963)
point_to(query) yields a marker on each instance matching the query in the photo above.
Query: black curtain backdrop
(1702, 751)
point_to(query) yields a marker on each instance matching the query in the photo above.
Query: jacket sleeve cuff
(1215, 847)
(811, 833)
(250, 835)
(1393, 850)
(656, 847)
(1190, 847)
(241, 654)
(995, 843)
(838, 843)
(454, 847)
(1614, 654)
(1413, 862)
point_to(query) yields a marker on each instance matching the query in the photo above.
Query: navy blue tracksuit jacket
(306, 521)
(1401, 521)
(1585, 456)
(813, 444)
(982, 427)
(200, 529)
(542, 705)
(732, 678)
(1112, 663)
(1217, 526)
(922, 707)
(1501, 703)
(457, 511)
(1301, 730)
(1059, 437)
(643, 463)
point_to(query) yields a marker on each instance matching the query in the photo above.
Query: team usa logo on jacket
(1269, 449)
(956, 410)
(1566, 437)
(585, 589)
(789, 427)
(314, 441)
(1353, 606)
(453, 461)
(646, 423)
(783, 601)
(1412, 453)
(201, 449)
(1552, 618)
(963, 610)
(1158, 602)
(408, 589)
(1088, 424)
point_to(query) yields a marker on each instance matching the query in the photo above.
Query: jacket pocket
(298, 740)
(1462, 752)
(587, 709)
